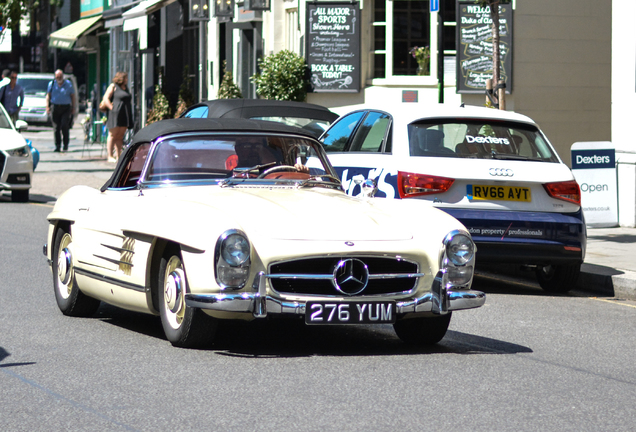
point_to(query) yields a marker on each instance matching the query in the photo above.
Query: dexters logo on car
(594, 167)
(387, 180)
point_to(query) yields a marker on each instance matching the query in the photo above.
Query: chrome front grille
(316, 276)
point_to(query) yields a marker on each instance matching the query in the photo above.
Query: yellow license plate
(498, 193)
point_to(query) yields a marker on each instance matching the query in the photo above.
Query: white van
(34, 108)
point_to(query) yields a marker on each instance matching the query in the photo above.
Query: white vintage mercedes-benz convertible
(210, 219)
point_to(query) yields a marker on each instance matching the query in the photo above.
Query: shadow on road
(280, 338)
(4, 354)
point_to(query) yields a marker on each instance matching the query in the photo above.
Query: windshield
(481, 139)
(5, 123)
(245, 157)
(34, 86)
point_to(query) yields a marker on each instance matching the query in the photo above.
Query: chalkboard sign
(474, 46)
(333, 46)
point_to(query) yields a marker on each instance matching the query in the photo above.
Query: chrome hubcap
(173, 291)
(64, 265)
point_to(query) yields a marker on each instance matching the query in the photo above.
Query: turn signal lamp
(567, 191)
(412, 185)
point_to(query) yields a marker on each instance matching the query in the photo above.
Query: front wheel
(558, 278)
(423, 331)
(183, 326)
(70, 299)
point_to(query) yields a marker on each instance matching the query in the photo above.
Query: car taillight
(412, 185)
(566, 191)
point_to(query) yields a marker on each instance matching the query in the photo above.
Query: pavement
(609, 269)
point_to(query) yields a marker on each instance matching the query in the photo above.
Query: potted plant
(423, 57)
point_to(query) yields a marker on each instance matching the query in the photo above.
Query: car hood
(10, 139)
(308, 214)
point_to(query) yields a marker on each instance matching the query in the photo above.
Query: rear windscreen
(479, 139)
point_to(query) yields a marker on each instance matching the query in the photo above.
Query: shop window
(401, 25)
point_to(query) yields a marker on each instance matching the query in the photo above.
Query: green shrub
(227, 89)
(160, 105)
(283, 77)
(186, 95)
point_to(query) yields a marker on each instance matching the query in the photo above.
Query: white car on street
(16, 159)
(210, 219)
(495, 171)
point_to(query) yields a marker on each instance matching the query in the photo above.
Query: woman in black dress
(118, 99)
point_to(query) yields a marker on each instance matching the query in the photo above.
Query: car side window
(134, 166)
(370, 135)
(198, 112)
(336, 138)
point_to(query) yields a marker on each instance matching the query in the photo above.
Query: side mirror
(369, 186)
(21, 125)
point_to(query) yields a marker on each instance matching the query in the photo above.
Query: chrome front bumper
(440, 300)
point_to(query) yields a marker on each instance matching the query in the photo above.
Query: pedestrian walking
(118, 100)
(12, 96)
(60, 104)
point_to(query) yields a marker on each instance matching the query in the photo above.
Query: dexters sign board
(594, 167)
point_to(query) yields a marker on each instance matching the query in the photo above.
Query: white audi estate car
(495, 171)
(212, 219)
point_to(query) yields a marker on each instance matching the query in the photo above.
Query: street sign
(434, 5)
(594, 168)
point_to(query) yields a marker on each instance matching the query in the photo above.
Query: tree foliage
(283, 77)
(12, 10)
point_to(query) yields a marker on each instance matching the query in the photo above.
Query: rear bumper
(439, 300)
(525, 237)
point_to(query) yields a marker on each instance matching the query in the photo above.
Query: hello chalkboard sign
(333, 46)
(474, 46)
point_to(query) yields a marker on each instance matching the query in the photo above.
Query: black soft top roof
(248, 108)
(180, 125)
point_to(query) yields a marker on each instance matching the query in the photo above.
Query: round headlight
(235, 249)
(460, 249)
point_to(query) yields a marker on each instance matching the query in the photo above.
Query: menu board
(333, 46)
(474, 46)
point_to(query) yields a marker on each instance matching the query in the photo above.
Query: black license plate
(350, 312)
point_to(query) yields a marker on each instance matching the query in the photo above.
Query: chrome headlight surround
(458, 259)
(23, 151)
(232, 259)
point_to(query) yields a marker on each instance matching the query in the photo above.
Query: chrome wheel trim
(65, 267)
(174, 287)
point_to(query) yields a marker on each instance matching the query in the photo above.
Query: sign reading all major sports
(594, 168)
(333, 46)
(475, 47)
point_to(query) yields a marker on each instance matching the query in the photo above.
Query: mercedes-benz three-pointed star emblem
(350, 276)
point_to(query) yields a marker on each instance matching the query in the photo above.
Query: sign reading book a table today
(333, 46)
(594, 168)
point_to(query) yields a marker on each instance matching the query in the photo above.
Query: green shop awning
(66, 37)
